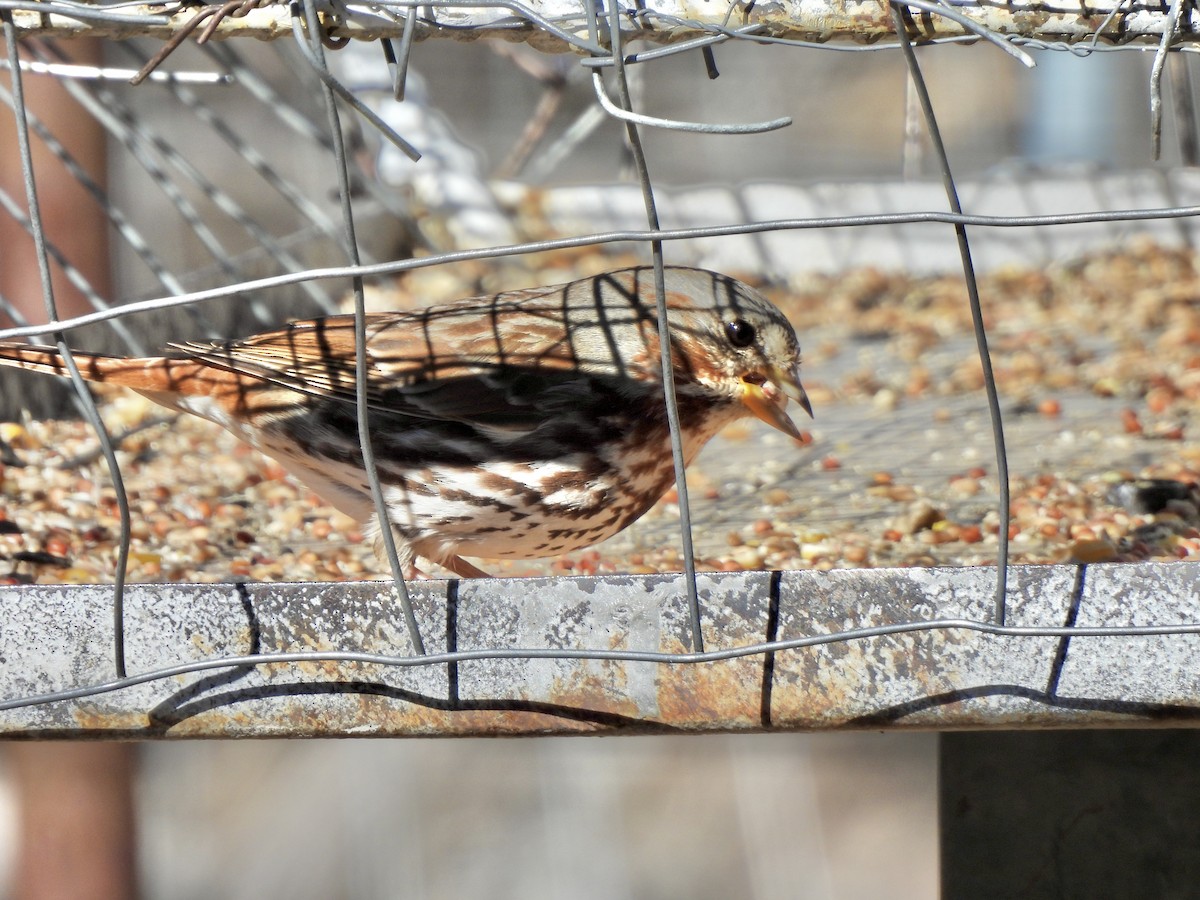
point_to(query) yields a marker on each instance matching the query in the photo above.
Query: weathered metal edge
(663, 22)
(958, 675)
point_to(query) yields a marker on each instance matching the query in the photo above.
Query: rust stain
(88, 718)
(728, 692)
(380, 716)
(810, 691)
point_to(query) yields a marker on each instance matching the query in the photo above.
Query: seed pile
(1097, 364)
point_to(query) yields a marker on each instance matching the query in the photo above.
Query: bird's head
(735, 342)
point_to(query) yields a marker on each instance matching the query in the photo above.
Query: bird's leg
(404, 550)
(455, 564)
(462, 568)
(408, 559)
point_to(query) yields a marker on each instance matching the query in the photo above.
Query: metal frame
(900, 648)
(706, 622)
(562, 24)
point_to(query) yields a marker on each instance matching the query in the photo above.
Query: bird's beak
(767, 396)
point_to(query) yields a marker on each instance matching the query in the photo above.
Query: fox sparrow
(518, 425)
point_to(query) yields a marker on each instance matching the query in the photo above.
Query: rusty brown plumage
(517, 425)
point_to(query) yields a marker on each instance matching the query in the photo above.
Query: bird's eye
(741, 333)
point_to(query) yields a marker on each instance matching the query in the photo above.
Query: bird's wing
(505, 369)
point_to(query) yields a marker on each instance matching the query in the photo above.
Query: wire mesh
(235, 254)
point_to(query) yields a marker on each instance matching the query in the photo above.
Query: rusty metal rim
(762, 648)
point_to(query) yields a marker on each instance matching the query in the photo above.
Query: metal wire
(87, 403)
(1129, 21)
(246, 151)
(665, 344)
(121, 123)
(1170, 32)
(944, 9)
(292, 117)
(675, 124)
(75, 277)
(703, 43)
(399, 64)
(316, 55)
(107, 73)
(172, 171)
(641, 656)
(365, 111)
(81, 11)
(524, 15)
(981, 341)
(634, 236)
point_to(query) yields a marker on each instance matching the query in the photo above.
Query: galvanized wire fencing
(576, 655)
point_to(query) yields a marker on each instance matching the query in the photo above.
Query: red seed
(970, 534)
(1158, 399)
(855, 554)
(57, 545)
(1130, 422)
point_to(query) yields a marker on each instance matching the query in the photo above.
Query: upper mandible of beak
(766, 397)
(789, 382)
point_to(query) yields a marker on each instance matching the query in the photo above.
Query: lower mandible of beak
(767, 403)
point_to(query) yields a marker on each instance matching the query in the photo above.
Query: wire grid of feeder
(238, 254)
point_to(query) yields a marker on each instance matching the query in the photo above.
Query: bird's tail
(159, 378)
